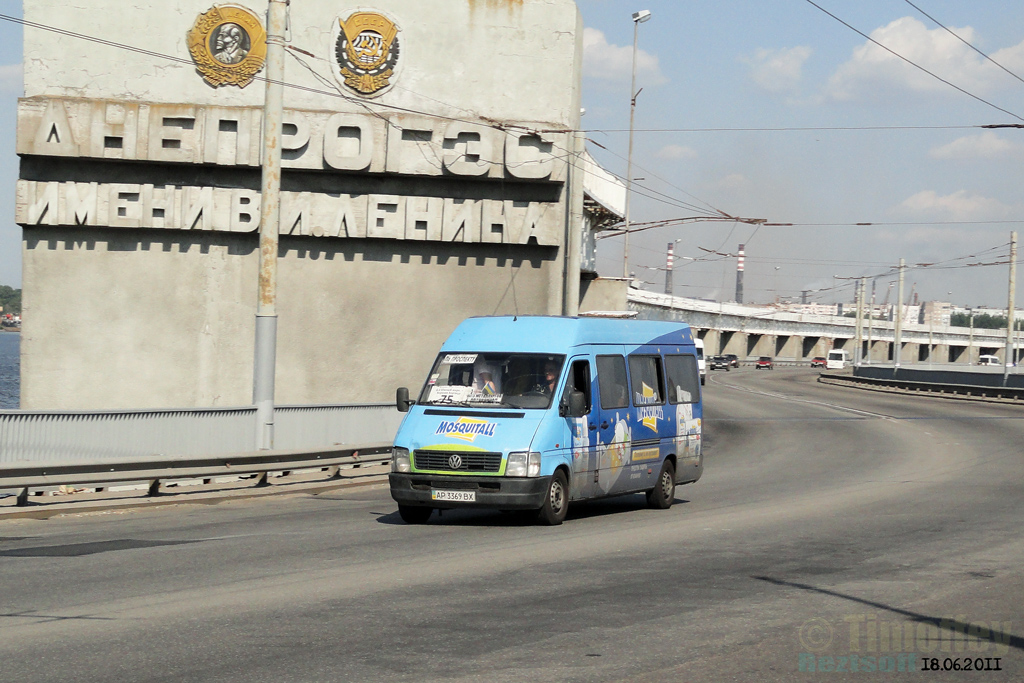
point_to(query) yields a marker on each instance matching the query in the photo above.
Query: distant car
(818, 362)
(989, 360)
(718, 363)
(764, 363)
(734, 360)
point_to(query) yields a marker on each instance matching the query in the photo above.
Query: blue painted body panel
(607, 452)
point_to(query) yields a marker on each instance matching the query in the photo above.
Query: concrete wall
(603, 294)
(138, 197)
(157, 320)
(509, 60)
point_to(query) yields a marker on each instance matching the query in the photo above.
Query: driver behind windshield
(550, 378)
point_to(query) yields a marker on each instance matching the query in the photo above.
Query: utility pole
(739, 274)
(265, 362)
(859, 345)
(970, 341)
(1010, 308)
(668, 268)
(898, 335)
(871, 319)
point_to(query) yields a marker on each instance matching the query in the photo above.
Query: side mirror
(573, 405)
(402, 401)
(577, 404)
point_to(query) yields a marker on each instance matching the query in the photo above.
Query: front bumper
(504, 493)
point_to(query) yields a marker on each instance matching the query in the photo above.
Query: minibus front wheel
(414, 514)
(556, 502)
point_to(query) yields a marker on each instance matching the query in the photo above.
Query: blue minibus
(532, 412)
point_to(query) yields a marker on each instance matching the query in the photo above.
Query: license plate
(455, 496)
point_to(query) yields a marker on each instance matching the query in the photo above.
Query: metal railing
(948, 390)
(68, 436)
(26, 476)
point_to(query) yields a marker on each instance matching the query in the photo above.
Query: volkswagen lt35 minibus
(533, 412)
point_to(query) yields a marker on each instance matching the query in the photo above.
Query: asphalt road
(834, 527)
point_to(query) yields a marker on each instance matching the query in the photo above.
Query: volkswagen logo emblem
(455, 462)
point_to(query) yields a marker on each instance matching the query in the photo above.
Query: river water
(10, 377)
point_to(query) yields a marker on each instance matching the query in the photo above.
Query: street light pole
(859, 335)
(898, 334)
(1010, 308)
(871, 321)
(668, 268)
(970, 340)
(638, 18)
(265, 352)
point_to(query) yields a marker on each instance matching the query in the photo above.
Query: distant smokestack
(668, 268)
(803, 296)
(739, 275)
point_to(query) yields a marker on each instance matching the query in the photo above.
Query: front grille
(440, 461)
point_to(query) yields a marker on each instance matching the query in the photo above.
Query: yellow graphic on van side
(641, 454)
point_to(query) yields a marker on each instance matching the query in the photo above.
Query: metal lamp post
(270, 217)
(638, 18)
(970, 340)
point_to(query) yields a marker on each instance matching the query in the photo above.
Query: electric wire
(914, 64)
(782, 129)
(962, 40)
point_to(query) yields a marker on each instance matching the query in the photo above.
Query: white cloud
(871, 69)
(958, 206)
(733, 181)
(10, 78)
(606, 61)
(778, 71)
(986, 145)
(676, 152)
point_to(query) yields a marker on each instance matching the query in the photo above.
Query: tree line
(10, 300)
(984, 321)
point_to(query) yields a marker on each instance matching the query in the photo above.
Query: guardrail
(969, 391)
(38, 475)
(70, 435)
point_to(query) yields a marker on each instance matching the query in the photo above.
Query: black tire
(664, 491)
(556, 502)
(414, 514)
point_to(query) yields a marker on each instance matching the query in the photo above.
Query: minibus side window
(683, 379)
(648, 380)
(611, 376)
(578, 380)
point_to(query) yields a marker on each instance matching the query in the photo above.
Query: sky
(912, 161)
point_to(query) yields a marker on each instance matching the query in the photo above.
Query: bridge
(747, 330)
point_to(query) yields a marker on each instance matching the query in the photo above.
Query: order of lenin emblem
(366, 52)
(228, 44)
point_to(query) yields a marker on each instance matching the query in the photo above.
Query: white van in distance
(837, 359)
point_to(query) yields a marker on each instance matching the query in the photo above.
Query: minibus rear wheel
(556, 502)
(664, 491)
(414, 514)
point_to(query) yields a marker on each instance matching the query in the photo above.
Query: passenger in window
(485, 383)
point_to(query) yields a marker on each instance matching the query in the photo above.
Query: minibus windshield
(495, 380)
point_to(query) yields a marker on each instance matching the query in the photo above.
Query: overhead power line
(968, 44)
(914, 64)
(787, 129)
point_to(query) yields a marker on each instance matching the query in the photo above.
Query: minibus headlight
(523, 464)
(400, 460)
